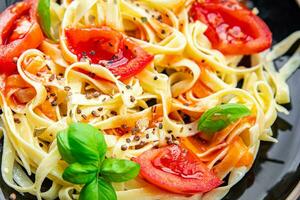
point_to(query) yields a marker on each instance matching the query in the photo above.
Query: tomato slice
(19, 31)
(177, 170)
(232, 28)
(109, 48)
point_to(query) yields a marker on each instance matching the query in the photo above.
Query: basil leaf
(87, 144)
(80, 174)
(116, 170)
(45, 17)
(64, 147)
(99, 188)
(219, 117)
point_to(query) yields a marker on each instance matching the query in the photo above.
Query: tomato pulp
(232, 28)
(19, 31)
(177, 170)
(109, 48)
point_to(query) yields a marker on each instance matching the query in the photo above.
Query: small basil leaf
(87, 143)
(116, 170)
(80, 174)
(45, 17)
(219, 117)
(99, 188)
(64, 147)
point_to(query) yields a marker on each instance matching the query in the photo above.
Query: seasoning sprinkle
(78, 111)
(144, 19)
(58, 78)
(155, 78)
(88, 95)
(128, 140)
(1, 111)
(95, 114)
(52, 77)
(17, 120)
(160, 125)
(132, 99)
(113, 112)
(128, 87)
(169, 142)
(141, 145)
(84, 116)
(159, 18)
(170, 131)
(181, 129)
(53, 103)
(124, 147)
(135, 130)
(136, 138)
(96, 94)
(100, 109)
(124, 126)
(38, 74)
(67, 88)
(92, 53)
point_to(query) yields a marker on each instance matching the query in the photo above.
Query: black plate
(276, 170)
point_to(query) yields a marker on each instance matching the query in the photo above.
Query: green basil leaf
(219, 117)
(116, 170)
(87, 144)
(80, 174)
(64, 147)
(45, 17)
(98, 189)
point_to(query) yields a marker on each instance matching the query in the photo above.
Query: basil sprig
(45, 17)
(219, 117)
(84, 148)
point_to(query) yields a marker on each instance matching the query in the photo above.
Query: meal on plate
(148, 99)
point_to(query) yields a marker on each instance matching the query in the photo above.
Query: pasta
(75, 90)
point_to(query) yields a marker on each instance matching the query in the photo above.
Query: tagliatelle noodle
(183, 58)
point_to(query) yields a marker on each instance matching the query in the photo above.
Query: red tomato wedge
(109, 48)
(19, 31)
(232, 28)
(177, 170)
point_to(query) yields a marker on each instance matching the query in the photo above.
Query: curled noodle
(184, 60)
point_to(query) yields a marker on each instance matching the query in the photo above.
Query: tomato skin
(232, 28)
(177, 170)
(107, 47)
(82, 42)
(139, 60)
(19, 31)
